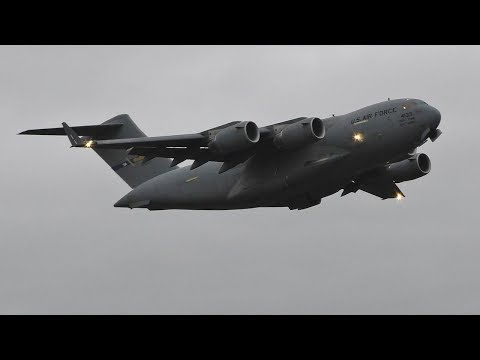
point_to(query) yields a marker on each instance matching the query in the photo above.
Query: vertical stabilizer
(133, 169)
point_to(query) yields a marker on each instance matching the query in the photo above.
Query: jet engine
(409, 169)
(235, 138)
(301, 133)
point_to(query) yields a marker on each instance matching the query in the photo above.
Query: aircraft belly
(268, 179)
(201, 188)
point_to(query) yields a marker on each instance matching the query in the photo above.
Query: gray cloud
(65, 249)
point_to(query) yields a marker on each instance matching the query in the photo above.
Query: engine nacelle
(299, 134)
(417, 166)
(235, 138)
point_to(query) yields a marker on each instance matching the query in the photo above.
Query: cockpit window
(410, 103)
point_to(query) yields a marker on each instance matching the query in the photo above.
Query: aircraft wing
(183, 147)
(201, 147)
(377, 183)
(91, 130)
(383, 188)
(153, 142)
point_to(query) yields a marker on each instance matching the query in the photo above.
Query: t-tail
(133, 169)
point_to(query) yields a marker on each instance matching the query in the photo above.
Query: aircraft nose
(435, 117)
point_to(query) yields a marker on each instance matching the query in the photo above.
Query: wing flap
(153, 142)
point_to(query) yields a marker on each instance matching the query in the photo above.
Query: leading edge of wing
(86, 130)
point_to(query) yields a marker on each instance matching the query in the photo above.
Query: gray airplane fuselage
(353, 144)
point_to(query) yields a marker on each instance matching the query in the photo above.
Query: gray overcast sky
(64, 248)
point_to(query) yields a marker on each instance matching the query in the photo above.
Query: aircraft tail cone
(122, 203)
(138, 204)
(130, 202)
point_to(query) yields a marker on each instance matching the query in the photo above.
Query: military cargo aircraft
(291, 164)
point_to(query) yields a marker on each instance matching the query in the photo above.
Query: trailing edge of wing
(153, 142)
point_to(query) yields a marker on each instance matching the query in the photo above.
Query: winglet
(72, 136)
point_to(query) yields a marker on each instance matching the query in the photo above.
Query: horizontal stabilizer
(90, 130)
